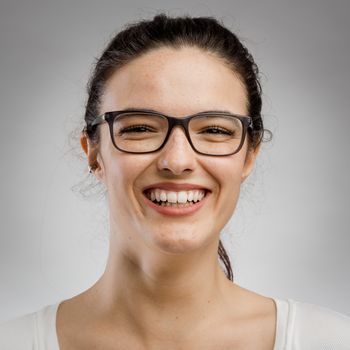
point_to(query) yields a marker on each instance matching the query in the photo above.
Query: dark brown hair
(205, 33)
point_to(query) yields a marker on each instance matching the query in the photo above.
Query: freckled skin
(177, 83)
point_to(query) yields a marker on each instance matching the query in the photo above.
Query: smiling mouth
(176, 199)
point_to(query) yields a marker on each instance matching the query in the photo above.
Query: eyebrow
(209, 110)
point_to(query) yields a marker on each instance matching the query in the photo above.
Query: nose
(177, 156)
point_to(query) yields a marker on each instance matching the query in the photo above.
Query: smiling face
(178, 83)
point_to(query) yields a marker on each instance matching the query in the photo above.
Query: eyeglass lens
(210, 134)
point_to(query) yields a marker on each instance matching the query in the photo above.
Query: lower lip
(174, 211)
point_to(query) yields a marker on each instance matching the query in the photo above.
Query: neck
(161, 293)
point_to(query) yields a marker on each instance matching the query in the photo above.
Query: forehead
(177, 82)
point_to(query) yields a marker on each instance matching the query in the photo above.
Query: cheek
(231, 184)
(119, 174)
(118, 166)
(119, 171)
(227, 171)
(122, 171)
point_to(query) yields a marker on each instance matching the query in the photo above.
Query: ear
(251, 155)
(92, 153)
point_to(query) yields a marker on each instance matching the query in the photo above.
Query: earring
(90, 170)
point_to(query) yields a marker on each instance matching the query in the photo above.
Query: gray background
(289, 237)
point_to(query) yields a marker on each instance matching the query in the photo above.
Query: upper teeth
(175, 197)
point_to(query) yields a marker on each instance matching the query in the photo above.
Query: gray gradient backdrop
(289, 237)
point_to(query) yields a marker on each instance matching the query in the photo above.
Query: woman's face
(176, 83)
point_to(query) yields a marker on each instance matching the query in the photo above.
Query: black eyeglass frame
(110, 117)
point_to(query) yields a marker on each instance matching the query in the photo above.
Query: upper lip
(171, 186)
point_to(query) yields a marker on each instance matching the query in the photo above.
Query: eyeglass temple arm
(248, 121)
(98, 120)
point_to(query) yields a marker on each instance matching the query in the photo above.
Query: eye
(136, 129)
(217, 130)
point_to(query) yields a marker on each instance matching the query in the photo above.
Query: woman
(173, 127)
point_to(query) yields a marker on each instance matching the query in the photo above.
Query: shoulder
(316, 327)
(36, 330)
(18, 333)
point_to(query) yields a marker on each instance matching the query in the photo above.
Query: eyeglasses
(212, 133)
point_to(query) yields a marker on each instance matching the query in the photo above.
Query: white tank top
(300, 326)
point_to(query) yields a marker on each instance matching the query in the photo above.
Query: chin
(177, 240)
